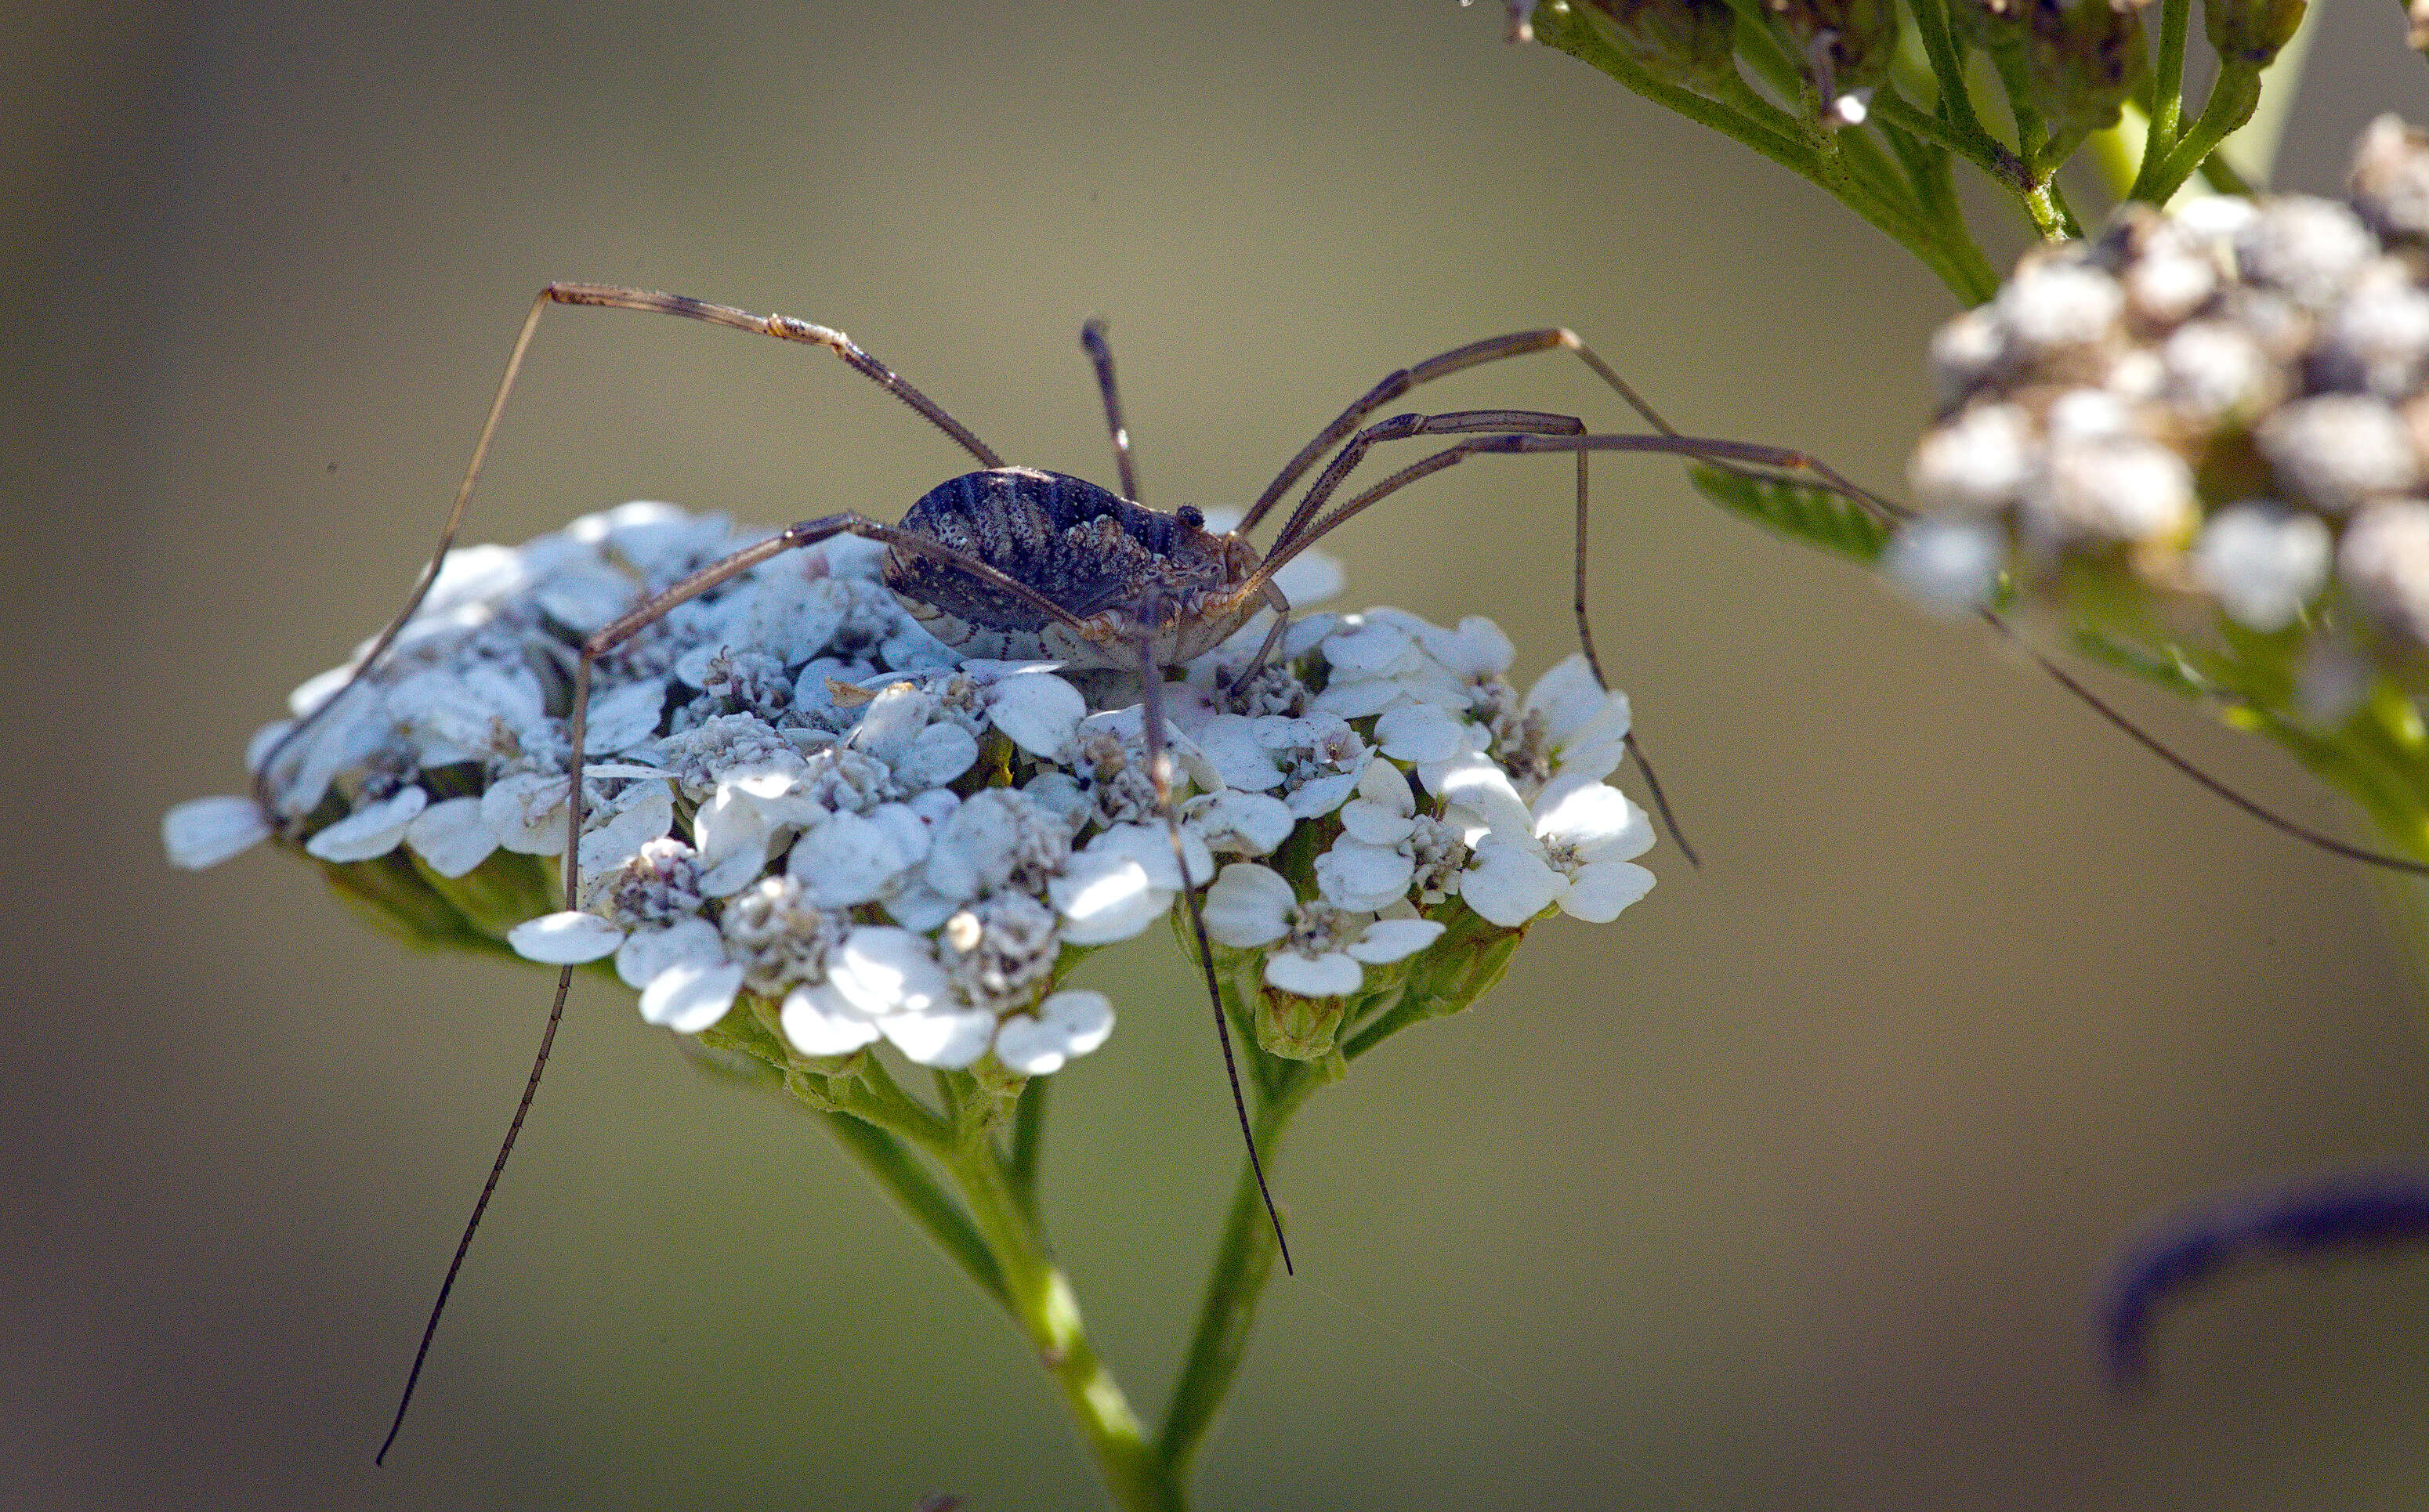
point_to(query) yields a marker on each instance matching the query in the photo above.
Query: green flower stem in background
(1243, 1263)
(986, 1138)
(1042, 1303)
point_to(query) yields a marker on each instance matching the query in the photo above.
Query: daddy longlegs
(1014, 562)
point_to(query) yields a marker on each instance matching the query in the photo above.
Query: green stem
(1984, 152)
(2229, 106)
(1027, 1144)
(2167, 92)
(1931, 22)
(1244, 1265)
(1042, 1302)
(901, 1174)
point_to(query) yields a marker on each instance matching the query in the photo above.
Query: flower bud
(1688, 41)
(2083, 57)
(1298, 1028)
(2251, 31)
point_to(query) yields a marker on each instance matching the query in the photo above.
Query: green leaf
(1800, 511)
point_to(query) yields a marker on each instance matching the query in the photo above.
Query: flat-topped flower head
(800, 809)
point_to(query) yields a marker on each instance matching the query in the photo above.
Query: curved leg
(1545, 432)
(607, 296)
(1100, 356)
(1159, 770)
(1745, 455)
(1400, 427)
(625, 626)
(1475, 353)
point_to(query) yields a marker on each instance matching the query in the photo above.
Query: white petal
(1361, 878)
(881, 970)
(921, 907)
(853, 858)
(1474, 782)
(1476, 648)
(370, 831)
(1248, 904)
(1331, 975)
(1421, 732)
(1313, 800)
(1507, 883)
(731, 876)
(355, 727)
(1150, 845)
(585, 596)
(894, 721)
(1595, 820)
(643, 815)
(939, 754)
(1566, 696)
(685, 943)
(1600, 889)
(688, 999)
(1254, 822)
(1105, 895)
(1355, 698)
(1068, 1025)
(623, 717)
(947, 1040)
(1230, 741)
(526, 811)
(819, 1021)
(565, 939)
(205, 831)
(1037, 710)
(1375, 824)
(451, 836)
(1386, 786)
(1310, 578)
(1370, 649)
(1387, 940)
(258, 748)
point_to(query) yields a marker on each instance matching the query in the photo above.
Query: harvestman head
(1012, 562)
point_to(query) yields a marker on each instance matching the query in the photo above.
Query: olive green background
(1793, 1186)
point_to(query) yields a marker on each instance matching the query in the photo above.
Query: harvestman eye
(1010, 561)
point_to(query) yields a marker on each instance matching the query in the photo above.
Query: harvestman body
(1015, 563)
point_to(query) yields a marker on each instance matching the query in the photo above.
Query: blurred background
(1795, 1186)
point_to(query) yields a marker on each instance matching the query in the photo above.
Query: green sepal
(502, 891)
(1298, 1028)
(391, 895)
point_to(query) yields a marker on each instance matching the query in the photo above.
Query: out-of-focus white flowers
(2227, 401)
(794, 798)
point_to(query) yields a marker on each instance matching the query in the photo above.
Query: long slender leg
(1101, 355)
(1475, 353)
(1594, 664)
(625, 626)
(1527, 421)
(1399, 427)
(1700, 448)
(608, 296)
(1159, 771)
(1744, 454)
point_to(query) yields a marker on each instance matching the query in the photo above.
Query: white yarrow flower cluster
(2230, 398)
(794, 798)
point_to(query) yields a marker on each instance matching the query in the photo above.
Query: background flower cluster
(2221, 405)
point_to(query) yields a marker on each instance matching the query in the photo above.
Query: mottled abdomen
(1101, 557)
